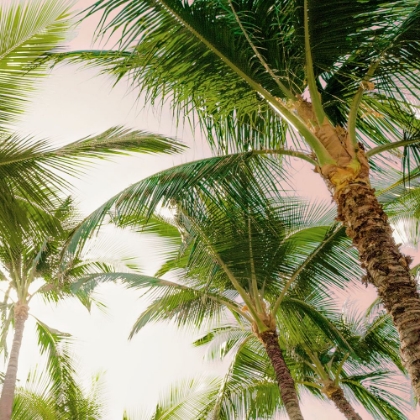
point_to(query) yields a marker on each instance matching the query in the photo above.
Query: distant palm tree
(340, 77)
(249, 388)
(263, 263)
(32, 256)
(366, 375)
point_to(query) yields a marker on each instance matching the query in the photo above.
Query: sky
(71, 103)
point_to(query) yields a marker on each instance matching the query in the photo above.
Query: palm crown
(261, 46)
(263, 262)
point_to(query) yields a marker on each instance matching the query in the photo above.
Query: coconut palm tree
(243, 179)
(365, 372)
(340, 77)
(261, 264)
(366, 375)
(322, 364)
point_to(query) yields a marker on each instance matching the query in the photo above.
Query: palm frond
(28, 31)
(207, 33)
(214, 178)
(32, 171)
(375, 393)
(65, 393)
(187, 400)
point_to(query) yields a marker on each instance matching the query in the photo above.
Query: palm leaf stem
(313, 90)
(309, 384)
(354, 108)
(340, 367)
(289, 95)
(254, 285)
(391, 146)
(286, 152)
(317, 365)
(83, 55)
(231, 307)
(242, 292)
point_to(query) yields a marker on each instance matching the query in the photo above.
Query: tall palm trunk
(336, 395)
(368, 227)
(9, 385)
(387, 268)
(284, 379)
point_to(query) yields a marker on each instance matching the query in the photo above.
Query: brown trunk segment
(284, 379)
(368, 227)
(9, 384)
(336, 395)
(387, 268)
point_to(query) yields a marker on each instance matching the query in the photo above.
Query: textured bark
(284, 379)
(336, 395)
(387, 268)
(368, 227)
(9, 385)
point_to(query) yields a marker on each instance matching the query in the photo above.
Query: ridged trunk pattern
(286, 383)
(387, 268)
(9, 385)
(336, 395)
(368, 227)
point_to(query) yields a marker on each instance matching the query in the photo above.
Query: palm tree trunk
(286, 383)
(336, 395)
(368, 227)
(9, 385)
(387, 268)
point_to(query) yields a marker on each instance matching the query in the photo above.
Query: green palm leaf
(32, 171)
(28, 31)
(214, 178)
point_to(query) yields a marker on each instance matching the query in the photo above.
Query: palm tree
(340, 78)
(29, 257)
(249, 388)
(322, 364)
(261, 264)
(317, 363)
(243, 179)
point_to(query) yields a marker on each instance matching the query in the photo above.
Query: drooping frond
(64, 391)
(225, 61)
(215, 178)
(32, 171)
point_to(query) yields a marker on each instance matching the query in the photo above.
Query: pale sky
(72, 103)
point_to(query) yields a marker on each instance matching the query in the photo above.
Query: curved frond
(28, 31)
(214, 178)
